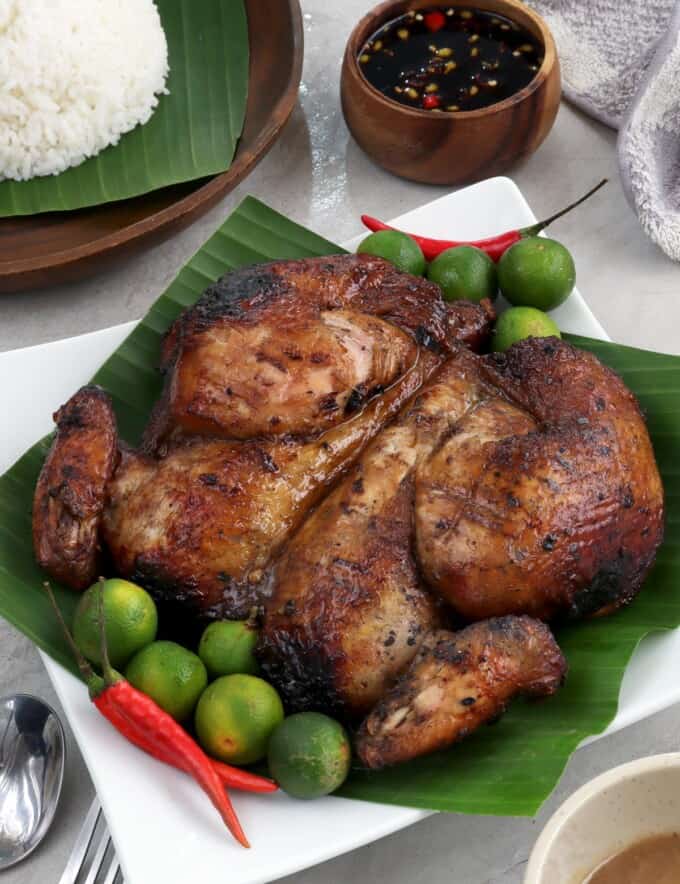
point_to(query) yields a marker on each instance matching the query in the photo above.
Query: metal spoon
(32, 754)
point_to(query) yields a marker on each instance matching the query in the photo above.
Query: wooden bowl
(59, 247)
(450, 147)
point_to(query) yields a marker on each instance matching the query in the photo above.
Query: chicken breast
(458, 682)
(294, 347)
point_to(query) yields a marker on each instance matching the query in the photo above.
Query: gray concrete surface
(318, 176)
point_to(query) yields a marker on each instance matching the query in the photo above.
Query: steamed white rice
(74, 76)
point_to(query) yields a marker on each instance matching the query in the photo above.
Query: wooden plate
(58, 247)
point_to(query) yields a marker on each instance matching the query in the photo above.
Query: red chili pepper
(494, 246)
(243, 779)
(233, 777)
(138, 718)
(430, 101)
(434, 21)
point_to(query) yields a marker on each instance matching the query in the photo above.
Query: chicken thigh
(552, 506)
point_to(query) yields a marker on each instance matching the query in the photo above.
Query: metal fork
(93, 858)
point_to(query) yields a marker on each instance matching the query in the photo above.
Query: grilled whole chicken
(325, 447)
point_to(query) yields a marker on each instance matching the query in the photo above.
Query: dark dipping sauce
(450, 59)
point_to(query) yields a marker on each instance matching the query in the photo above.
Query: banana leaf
(509, 768)
(193, 132)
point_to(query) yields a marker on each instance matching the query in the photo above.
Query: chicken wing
(458, 682)
(71, 491)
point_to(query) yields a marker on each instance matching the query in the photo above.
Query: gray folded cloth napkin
(621, 64)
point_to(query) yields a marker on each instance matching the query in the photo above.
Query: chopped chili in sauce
(450, 59)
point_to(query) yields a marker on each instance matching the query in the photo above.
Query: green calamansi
(235, 718)
(130, 616)
(397, 248)
(309, 755)
(537, 272)
(464, 273)
(227, 647)
(518, 323)
(171, 675)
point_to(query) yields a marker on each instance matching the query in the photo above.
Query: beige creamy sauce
(652, 861)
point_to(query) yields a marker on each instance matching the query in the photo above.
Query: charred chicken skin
(329, 447)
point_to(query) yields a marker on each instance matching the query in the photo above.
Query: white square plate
(163, 827)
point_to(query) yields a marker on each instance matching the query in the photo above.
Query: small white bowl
(608, 814)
